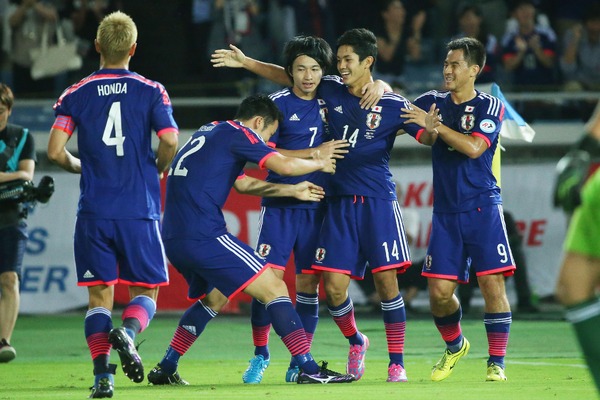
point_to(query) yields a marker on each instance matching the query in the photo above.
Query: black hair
(310, 46)
(362, 41)
(6, 96)
(259, 105)
(473, 50)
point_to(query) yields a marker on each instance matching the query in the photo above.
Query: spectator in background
(566, 14)
(27, 20)
(198, 17)
(494, 13)
(471, 24)
(237, 22)
(85, 16)
(398, 39)
(529, 53)
(580, 60)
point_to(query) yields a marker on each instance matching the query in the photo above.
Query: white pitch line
(547, 364)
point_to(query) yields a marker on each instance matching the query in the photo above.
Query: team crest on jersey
(373, 120)
(427, 263)
(264, 250)
(324, 114)
(320, 254)
(467, 122)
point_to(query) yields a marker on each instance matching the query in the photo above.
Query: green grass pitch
(543, 362)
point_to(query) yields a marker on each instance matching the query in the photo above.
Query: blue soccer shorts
(283, 230)
(119, 251)
(358, 230)
(225, 263)
(476, 237)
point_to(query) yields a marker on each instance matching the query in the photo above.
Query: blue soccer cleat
(256, 369)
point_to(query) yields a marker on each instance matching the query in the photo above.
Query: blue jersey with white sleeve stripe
(461, 183)
(115, 112)
(202, 175)
(364, 171)
(303, 126)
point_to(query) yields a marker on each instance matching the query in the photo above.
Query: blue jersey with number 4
(115, 111)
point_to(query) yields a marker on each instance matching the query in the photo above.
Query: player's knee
(9, 282)
(215, 303)
(267, 288)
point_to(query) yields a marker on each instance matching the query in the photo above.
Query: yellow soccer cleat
(444, 367)
(495, 373)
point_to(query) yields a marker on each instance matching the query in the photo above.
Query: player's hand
(334, 148)
(308, 191)
(233, 58)
(414, 115)
(432, 119)
(327, 162)
(372, 92)
(428, 120)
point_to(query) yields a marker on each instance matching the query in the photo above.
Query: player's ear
(132, 50)
(369, 61)
(258, 123)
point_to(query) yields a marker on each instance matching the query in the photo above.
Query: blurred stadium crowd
(533, 45)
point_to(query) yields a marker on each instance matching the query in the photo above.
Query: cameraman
(17, 161)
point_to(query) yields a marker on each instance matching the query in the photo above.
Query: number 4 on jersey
(113, 124)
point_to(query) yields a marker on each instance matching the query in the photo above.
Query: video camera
(21, 191)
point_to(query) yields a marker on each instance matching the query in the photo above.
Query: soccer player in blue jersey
(361, 196)
(288, 224)
(216, 264)
(117, 236)
(462, 125)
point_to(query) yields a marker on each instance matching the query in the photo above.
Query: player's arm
(58, 153)
(235, 58)
(305, 191)
(292, 166)
(372, 93)
(430, 121)
(472, 146)
(329, 149)
(167, 148)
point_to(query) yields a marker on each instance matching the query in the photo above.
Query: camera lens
(45, 189)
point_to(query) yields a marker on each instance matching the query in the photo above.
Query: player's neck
(303, 95)
(114, 66)
(463, 95)
(123, 64)
(356, 87)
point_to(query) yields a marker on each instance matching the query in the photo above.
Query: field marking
(548, 364)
